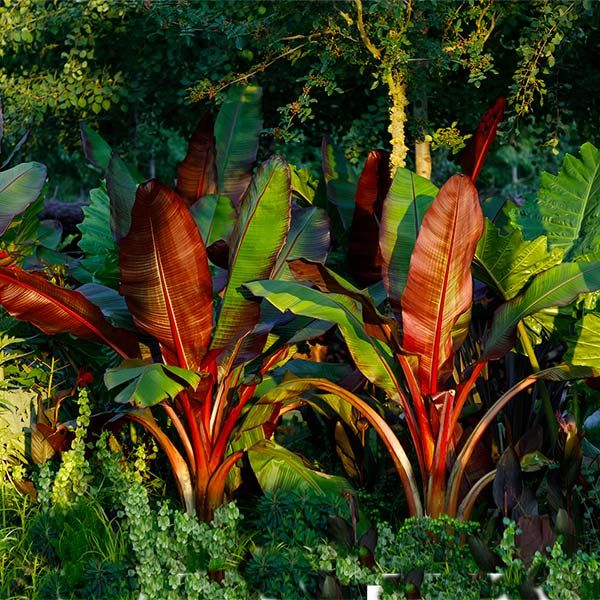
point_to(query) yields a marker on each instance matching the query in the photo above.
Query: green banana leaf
(110, 302)
(276, 468)
(341, 183)
(505, 262)
(95, 148)
(148, 384)
(308, 238)
(121, 185)
(215, 217)
(557, 286)
(568, 206)
(407, 201)
(257, 238)
(237, 128)
(372, 357)
(19, 187)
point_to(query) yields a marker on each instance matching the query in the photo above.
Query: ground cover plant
(265, 381)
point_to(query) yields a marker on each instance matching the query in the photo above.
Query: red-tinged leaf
(439, 287)
(364, 255)
(31, 297)
(197, 174)
(165, 276)
(473, 156)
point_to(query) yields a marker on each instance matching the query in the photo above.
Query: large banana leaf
(340, 181)
(407, 201)
(505, 262)
(237, 128)
(197, 174)
(256, 241)
(215, 217)
(100, 262)
(19, 187)
(276, 468)
(120, 185)
(308, 238)
(568, 206)
(364, 255)
(473, 156)
(439, 287)
(371, 356)
(110, 302)
(31, 297)
(165, 276)
(557, 286)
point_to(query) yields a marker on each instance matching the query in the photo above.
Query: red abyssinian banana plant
(427, 242)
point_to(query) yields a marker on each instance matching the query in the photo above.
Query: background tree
(143, 71)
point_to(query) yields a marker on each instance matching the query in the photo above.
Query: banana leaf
(19, 187)
(121, 185)
(439, 287)
(95, 148)
(276, 468)
(165, 276)
(308, 238)
(256, 241)
(364, 254)
(146, 384)
(215, 217)
(407, 201)
(557, 286)
(372, 357)
(341, 185)
(31, 297)
(237, 128)
(197, 174)
(473, 156)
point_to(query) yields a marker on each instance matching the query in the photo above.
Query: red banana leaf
(473, 156)
(197, 174)
(439, 286)
(165, 276)
(364, 255)
(31, 297)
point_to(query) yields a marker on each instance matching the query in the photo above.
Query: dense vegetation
(273, 360)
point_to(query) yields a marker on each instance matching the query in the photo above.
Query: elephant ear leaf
(258, 236)
(197, 174)
(364, 255)
(165, 276)
(439, 287)
(19, 187)
(31, 297)
(567, 210)
(237, 128)
(473, 156)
